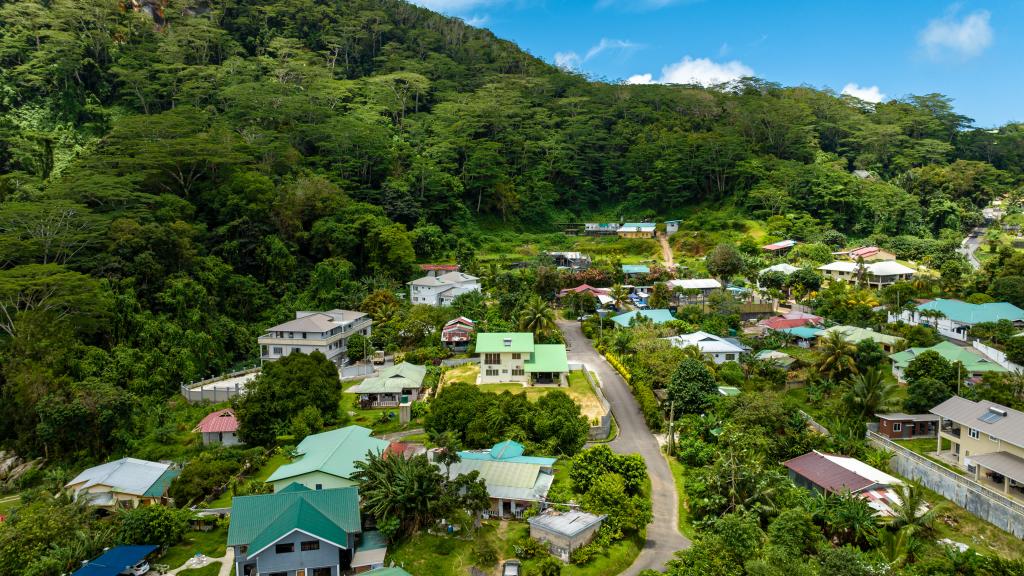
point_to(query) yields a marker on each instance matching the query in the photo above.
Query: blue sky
(971, 51)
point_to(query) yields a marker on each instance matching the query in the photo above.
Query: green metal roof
(392, 380)
(334, 452)
(967, 313)
(390, 571)
(635, 269)
(259, 521)
(804, 332)
(855, 334)
(972, 361)
(658, 316)
(159, 488)
(729, 391)
(495, 342)
(547, 358)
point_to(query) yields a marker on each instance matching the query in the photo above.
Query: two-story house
(395, 384)
(440, 290)
(296, 531)
(872, 274)
(324, 332)
(719, 349)
(458, 333)
(986, 439)
(513, 357)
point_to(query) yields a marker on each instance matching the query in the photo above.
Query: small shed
(220, 427)
(898, 425)
(564, 532)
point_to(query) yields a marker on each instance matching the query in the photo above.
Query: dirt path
(666, 251)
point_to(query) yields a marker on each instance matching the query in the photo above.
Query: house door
(300, 572)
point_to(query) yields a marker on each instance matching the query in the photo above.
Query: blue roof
(658, 316)
(507, 451)
(115, 560)
(967, 313)
(802, 332)
(635, 269)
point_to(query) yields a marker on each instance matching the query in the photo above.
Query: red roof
(865, 251)
(439, 267)
(461, 320)
(584, 288)
(219, 421)
(826, 474)
(781, 322)
(780, 245)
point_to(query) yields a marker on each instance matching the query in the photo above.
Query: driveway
(663, 537)
(970, 245)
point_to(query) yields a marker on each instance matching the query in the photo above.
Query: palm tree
(409, 490)
(537, 317)
(870, 392)
(619, 294)
(622, 343)
(912, 510)
(898, 547)
(849, 519)
(837, 356)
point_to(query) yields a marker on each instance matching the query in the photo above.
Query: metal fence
(976, 498)
(453, 362)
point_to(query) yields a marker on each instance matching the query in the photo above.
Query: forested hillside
(174, 178)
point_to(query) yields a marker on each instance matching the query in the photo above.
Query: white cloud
(572, 60)
(477, 21)
(866, 93)
(567, 60)
(967, 37)
(701, 71)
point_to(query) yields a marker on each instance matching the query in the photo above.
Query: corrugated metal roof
(827, 474)
(495, 342)
(392, 380)
(855, 334)
(114, 561)
(635, 269)
(1005, 463)
(127, 476)
(568, 524)
(260, 520)
(508, 479)
(219, 421)
(967, 313)
(547, 358)
(968, 413)
(334, 452)
(972, 361)
(658, 316)
(908, 417)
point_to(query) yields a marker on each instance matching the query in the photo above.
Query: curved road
(663, 538)
(970, 245)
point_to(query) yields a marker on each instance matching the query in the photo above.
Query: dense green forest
(176, 177)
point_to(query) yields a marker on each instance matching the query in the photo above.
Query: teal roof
(635, 269)
(335, 453)
(547, 358)
(658, 316)
(804, 332)
(635, 225)
(508, 451)
(967, 313)
(972, 361)
(259, 521)
(495, 342)
(392, 380)
(372, 540)
(159, 488)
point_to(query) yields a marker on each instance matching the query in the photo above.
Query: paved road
(970, 245)
(663, 538)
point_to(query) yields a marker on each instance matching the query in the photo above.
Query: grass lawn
(579, 390)
(7, 503)
(273, 463)
(429, 555)
(805, 355)
(679, 475)
(959, 525)
(210, 543)
(615, 559)
(467, 373)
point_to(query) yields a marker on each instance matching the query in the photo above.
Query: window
(284, 548)
(319, 486)
(321, 572)
(278, 350)
(518, 372)
(243, 549)
(730, 357)
(296, 349)
(491, 358)
(517, 356)
(492, 371)
(310, 545)
(973, 433)
(897, 427)
(263, 350)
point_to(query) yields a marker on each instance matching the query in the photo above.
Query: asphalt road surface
(663, 537)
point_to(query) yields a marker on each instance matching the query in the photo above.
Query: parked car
(138, 570)
(510, 568)
(379, 357)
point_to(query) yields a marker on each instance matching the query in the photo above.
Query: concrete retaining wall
(977, 499)
(603, 428)
(997, 355)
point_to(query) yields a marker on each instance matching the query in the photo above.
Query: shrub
(153, 525)
(484, 553)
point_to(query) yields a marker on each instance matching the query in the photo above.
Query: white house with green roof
(954, 318)
(515, 482)
(975, 365)
(298, 531)
(391, 386)
(513, 357)
(328, 459)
